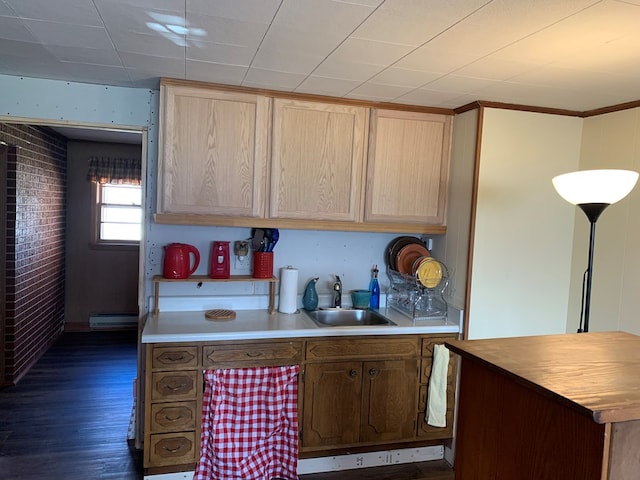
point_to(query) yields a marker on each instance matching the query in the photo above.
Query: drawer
(429, 342)
(174, 385)
(425, 370)
(252, 354)
(173, 417)
(174, 357)
(172, 449)
(390, 347)
(424, 391)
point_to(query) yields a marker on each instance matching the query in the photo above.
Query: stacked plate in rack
(402, 252)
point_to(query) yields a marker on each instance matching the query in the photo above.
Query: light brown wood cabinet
(213, 151)
(408, 167)
(354, 392)
(317, 160)
(238, 157)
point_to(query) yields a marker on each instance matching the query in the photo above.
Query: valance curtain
(122, 171)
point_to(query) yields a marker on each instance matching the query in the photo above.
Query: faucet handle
(338, 284)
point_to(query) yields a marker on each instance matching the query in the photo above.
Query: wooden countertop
(597, 373)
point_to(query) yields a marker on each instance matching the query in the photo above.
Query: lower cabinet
(347, 403)
(353, 392)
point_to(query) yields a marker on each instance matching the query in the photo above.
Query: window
(118, 214)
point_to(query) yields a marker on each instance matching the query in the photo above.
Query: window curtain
(122, 171)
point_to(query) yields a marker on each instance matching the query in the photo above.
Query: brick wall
(35, 244)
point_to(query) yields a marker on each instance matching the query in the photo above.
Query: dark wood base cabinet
(549, 408)
(361, 393)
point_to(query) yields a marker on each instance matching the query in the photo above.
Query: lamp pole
(592, 211)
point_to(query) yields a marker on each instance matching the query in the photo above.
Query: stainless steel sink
(346, 317)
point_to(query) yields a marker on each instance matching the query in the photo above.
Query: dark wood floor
(68, 417)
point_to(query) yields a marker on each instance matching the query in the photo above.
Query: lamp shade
(595, 186)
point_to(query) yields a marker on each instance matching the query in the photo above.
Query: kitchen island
(549, 407)
(362, 387)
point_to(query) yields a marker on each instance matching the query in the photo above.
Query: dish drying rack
(409, 297)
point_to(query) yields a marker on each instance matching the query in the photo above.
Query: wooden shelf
(158, 279)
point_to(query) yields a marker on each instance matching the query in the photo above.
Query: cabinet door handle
(353, 373)
(373, 372)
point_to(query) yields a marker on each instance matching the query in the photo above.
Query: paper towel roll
(288, 290)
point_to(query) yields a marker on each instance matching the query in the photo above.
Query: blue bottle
(374, 287)
(310, 297)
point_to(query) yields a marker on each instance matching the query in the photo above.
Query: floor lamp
(593, 191)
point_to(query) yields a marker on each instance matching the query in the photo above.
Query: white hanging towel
(437, 395)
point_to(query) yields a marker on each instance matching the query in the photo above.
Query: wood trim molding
(308, 97)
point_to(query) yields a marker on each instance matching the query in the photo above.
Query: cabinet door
(390, 397)
(332, 398)
(317, 160)
(408, 167)
(213, 152)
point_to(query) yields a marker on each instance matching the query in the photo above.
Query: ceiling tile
(86, 72)
(404, 78)
(66, 35)
(423, 96)
(171, 46)
(378, 92)
(86, 55)
(219, 53)
(414, 22)
(215, 72)
(427, 59)
(496, 68)
(252, 11)
(78, 12)
(260, 78)
(225, 30)
(360, 72)
(304, 51)
(324, 16)
(12, 28)
(459, 84)
(139, 19)
(161, 66)
(173, 5)
(335, 87)
(369, 51)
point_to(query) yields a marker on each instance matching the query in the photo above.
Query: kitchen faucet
(337, 297)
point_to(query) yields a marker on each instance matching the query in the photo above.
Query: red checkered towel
(249, 424)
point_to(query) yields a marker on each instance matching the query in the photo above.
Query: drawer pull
(176, 387)
(172, 450)
(254, 354)
(172, 419)
(353, 373)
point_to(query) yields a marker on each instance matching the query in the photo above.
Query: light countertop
(192, 326)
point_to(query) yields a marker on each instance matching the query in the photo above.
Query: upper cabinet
(317, 160)
(213, 151)
(408, 167)
(231, 156)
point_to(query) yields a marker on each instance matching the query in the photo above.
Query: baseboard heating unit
(113, 320)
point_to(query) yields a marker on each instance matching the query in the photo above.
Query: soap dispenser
(310, 297)
(374, 287)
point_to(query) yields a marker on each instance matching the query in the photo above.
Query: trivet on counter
(220, 314)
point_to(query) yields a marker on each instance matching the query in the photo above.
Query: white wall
(524, 231)
(611, 141)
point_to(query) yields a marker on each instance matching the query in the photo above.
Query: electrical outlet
(242, 264)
